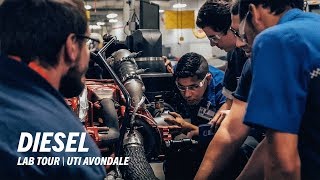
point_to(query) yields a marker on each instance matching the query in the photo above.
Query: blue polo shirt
(28, 103)
(213, 96)
(285, 90)
(214, 91)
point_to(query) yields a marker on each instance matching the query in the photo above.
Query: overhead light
(161, 11)
(95, 27)
(179, 5)
(87, 7)
(112, 15)
(113, 20)
(101, 23)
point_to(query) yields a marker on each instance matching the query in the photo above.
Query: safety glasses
(242, 34)
(235, 32)
(192, 87)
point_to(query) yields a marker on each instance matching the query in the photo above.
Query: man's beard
(71, 84)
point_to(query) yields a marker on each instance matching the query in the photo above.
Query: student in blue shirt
(200, 87)
(43, 58)
(284, 97)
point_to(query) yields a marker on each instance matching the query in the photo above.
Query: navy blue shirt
(213, 95)
(285, 90)
(233, 71)
(242, 93)
(28, 103)
(243, 88)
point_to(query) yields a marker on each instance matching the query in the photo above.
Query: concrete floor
(158, 171)
(218, 63)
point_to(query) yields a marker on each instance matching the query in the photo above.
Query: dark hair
(37, 29)
(276, 6)
(216, 15)
(235, 7)
(191, 64)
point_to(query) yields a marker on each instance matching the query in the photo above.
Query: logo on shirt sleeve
(315, 73)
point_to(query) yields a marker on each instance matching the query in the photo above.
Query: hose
(110, 118)
(138, 167)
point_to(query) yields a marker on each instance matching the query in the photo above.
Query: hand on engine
(168, 64)
(193, 133)
(217, 119)
(176, 119)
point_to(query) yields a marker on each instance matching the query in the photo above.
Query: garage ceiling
(100, 8)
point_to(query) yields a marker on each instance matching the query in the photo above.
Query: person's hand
(217, 119)
(173, 127)
(168, 64)
(176, 119)
(193, 133)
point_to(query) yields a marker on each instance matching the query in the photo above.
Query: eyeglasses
(90, 42)
(242, 25)
(235, 32)
(214, 38)
(192, 87)
(87, 38)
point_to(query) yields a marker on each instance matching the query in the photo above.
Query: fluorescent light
(179, 5)
(112, 15)
(113, 20)
(95, 27)
(87, 7)
(161, 11)
(101, 23)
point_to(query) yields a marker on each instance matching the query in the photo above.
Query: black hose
(109, 113)
(169, 106)
(138, 167)
(110, 118)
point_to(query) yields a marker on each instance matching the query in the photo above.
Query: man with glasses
(200, 86)
(43, 58)
(254, 166)
(201, 89)
(234, 142)
(215, 19)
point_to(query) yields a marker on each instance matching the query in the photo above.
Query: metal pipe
(122, 89)
(135, 111)
(115, 77)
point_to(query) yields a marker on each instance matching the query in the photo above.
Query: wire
(141, 115)
(124, 29)
(135, 111)
(136, 17)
